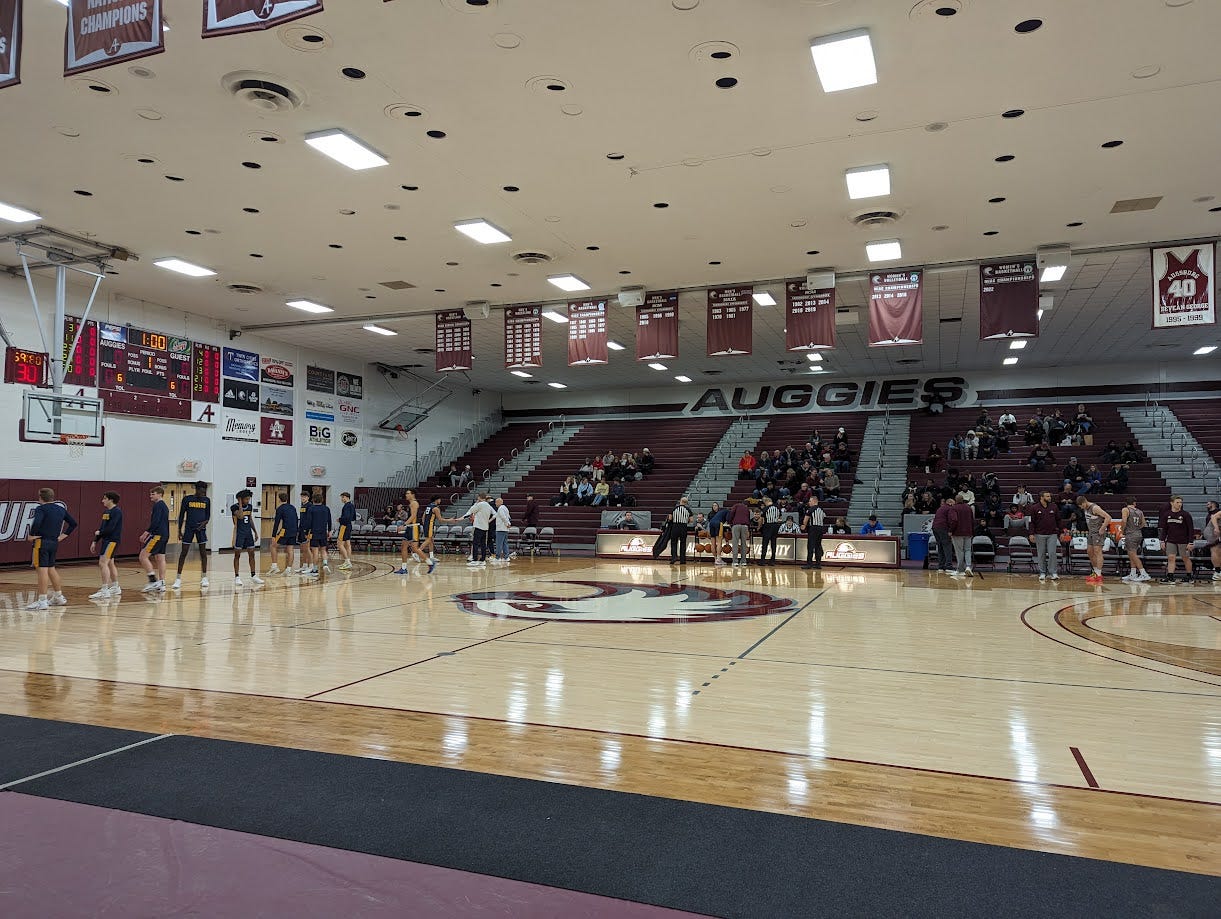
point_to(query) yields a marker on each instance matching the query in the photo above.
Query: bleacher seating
(1203, 421)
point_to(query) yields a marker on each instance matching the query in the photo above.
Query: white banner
(244, 428)
(1183, 281)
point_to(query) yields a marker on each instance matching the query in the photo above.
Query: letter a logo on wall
(276, 431)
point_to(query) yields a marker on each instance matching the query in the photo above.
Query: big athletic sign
(838, 396)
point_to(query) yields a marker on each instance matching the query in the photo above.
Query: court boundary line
(1084, 767)
(803, 608)
(81, 762)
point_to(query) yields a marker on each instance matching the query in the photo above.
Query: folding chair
(529, 540)
(1020, 552)
(514, 539)
(546, 540)
(982, 552)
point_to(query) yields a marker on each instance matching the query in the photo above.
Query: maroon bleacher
(1203, 421)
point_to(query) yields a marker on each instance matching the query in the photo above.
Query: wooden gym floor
(1054, 717)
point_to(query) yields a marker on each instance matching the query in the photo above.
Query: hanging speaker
(818, 279)
(631, 296)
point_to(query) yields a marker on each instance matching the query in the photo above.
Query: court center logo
(603, 601)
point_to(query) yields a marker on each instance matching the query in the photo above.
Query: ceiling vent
(396, 285)
(245, 289)
(1129, 205)
(263, 92)
(531, 258)
(873, 219)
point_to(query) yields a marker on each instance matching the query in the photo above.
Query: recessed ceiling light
(726, 82)
(1009, 361)
(345, 149)
(658, 367)
(615, 346)
(814, 356)
(521, 373)
(178, 265)
(554, 316)
(1052, 273)
(1112, 144)
(1006, 158)
(568, 282)
(558, 385)
(378, 330)
(868, 181)
(1207, 349)
(17, 214)
(764, 298)
(1027, 25)
(308, 306)
(883, 250)
(1018, 345)
(683, 379)
(844, 61)
(482, 232)
(1013, 113)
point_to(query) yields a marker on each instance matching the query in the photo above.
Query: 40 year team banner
(105, 32)
(1183, 279)
(10, 42)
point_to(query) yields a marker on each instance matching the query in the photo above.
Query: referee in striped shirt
(815, 525)
(769, 531)
(679, 518)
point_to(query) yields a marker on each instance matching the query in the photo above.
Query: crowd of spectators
(602, 481)
(789, 477)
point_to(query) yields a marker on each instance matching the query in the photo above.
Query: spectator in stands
(936, 404)
(1015, 521)
(933, 458)
(1116, 481)
(1093, 479)
(747, 465)
(455, 475)
(1074, 475)
(842, 459)
(587, 469)
(962, 528)
(1040, 456)
(529, 517)
(909, 506)
(1177, 534)
(618, 494)
(992, 513)
(627, 463)
(987, 444)
(1034, 432)
(1008, 421)
(387, 515)
(585, 492)
(1112, 452)
(840, 437)
(990, 484)
(601, 493)
(1131, 453)
(1022, 497)
(647, 461)
(560, 498)
(953, 447)
(830, 486)
(966, 493)
(839, 527)
(466, 477)
(1057, 428)
(627, 522)
(1082, 422)
(871, 526)
(970, 446)
(599, 468)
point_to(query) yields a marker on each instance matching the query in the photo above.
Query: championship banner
(10, 43)
(523, 337)
(810, 317)
(1008, 299)
(1183, 286)
(105, 32)
(225, 17)
(730, 317)
(657, 326)
(453, 341)
(587, 332)
(896, 308)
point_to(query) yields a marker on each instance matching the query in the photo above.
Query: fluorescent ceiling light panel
(1040, 315)
(764, 298)
(177, 264)
(1207, 349)
(554, 316)
(1052, 273)
(658, 367)
(17, 214)
(844, 60)
(346, 149)
(482, 232)
(521, 373)
(558, 385)
(884, 250)
(813, 356)
(1018, 345)
(308, 306)
(568, 282)
(1009, 361)
(683, 379)
(614, 346)
(378, 330)
(868, 181)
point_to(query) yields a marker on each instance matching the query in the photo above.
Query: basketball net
(76, 444)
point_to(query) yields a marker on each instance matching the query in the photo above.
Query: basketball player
(46, 532)
(347, 518)
(105, 542)
(193, 519)
(410, 544)
(304, 525)
(1133, 520)
(283, 535)
(1177, 536)
(319, 533)
(431, 518)
(153, 539)
(1097, 522)
(243, 537)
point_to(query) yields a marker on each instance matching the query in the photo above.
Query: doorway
(175, 494)
(267, 510)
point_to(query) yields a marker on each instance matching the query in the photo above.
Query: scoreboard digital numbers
(81, 369)
(206, 380)
(28, 368)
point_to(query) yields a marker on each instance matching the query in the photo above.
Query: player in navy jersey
(410, 544)
(244, 538)
(47, 530)
(319, 533)
(347, 519)
(304, 523)
(283, 535)
(428, 531)
(106, 543)
(152, 556)
(193, 519)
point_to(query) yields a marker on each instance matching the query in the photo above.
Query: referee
(815, 525)
(679, 518)
(769, 531)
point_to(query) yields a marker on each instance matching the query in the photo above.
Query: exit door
(175, 493)
(267, 510)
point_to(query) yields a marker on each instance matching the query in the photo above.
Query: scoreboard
(82, 368)
(28, 368)
(148, 363)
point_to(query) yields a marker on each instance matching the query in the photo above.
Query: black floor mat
(29, 746)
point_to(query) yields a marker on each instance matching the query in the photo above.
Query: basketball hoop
(400, 431)
(76, 444)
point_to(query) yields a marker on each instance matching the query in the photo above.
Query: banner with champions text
(896, 307)
(453, 341)
(225, 17)
(1183, 286)
(105, 32)
(587, 332)
(657, 326)
(809, 323)
(10, 43)
(1009, 299)
(523, 337)
(730, 317)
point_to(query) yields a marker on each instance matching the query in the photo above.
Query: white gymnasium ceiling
(753, 175)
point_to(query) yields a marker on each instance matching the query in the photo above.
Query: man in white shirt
(481, 514)
(1009, 422)
(503, 522)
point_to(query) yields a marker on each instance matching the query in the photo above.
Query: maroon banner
(224, 17)
(809, 321)
(657, 326)
(587, 332)
(10, 43)
(523, 337)
(730, 329)
(896, 308)
(1009, 299)
(276, 431)
(453, 344)
(105, 32)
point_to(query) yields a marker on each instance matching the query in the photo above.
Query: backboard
(52, 418)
